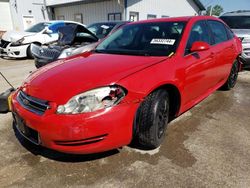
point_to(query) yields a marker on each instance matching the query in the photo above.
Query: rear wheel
(232, 78)
(152, 119)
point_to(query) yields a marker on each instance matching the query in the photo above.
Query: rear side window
(199, 32)
(229, 33)
(218, 30)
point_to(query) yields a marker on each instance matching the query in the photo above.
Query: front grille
(4, 43)
(246, 40)
(44, 53)
(32, 104)
(246, 51)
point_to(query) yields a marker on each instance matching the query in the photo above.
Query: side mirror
(47, 31)
(199, 46)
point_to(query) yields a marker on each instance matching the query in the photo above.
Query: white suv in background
(16, 44)
(239, 22)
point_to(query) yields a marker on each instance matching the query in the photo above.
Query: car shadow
(15, 59)
(59, 156)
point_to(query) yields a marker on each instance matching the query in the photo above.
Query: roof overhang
(199, 5)
(56, 3)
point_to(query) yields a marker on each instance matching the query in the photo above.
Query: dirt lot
(208, 146)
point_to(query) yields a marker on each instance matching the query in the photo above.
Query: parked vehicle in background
(16, 44)
(81, 40)
(129, 88)
(239, 22)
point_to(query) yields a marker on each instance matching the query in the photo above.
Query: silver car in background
(239, 22)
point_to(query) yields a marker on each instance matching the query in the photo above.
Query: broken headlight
(93, 100)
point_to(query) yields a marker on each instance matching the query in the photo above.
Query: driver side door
(199, 66)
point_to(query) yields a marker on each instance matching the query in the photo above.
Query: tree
(216, 10)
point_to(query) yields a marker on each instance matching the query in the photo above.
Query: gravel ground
(208, 146)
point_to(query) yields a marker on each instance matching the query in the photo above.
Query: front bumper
(42, 62)
(84, 133)
(44, 55)
(14, 51)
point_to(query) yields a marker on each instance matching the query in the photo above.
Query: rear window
(237, 22)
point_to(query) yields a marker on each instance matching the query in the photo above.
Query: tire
(152, 119)
(29, 54)
(232, 78)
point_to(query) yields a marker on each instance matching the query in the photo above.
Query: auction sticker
(163, 41)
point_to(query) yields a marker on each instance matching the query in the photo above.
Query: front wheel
(232, 78)
(152, 119)
(29, 53)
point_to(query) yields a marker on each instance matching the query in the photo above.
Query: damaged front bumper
(44, 55)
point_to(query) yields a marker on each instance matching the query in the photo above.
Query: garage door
(5, 16)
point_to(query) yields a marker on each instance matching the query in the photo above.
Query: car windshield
(101, 30)
(145, 39)
(38, 27)
(237, 22)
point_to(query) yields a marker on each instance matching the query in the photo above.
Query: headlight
(65, 53)
(93, 100)
(18, 42)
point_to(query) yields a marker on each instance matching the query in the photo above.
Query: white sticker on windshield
(105, 26)
(163, 41)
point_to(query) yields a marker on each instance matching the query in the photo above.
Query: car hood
(13, 36)
(60, 81)
(242, 32)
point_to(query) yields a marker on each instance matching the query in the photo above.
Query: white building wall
(91, 12)
(31, 11)
(162, 8)
(5, 16)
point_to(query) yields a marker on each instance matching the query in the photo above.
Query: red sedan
(130, 87)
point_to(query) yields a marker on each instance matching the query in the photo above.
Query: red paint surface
(195, 78)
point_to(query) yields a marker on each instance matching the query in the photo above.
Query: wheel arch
(174, 98)
(175, 104)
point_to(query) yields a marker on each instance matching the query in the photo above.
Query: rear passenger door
(223, 47)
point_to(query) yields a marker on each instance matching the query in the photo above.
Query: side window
(218, 30)
(230, 33)
(199, 32)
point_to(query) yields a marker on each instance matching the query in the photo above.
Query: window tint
(199, 32)
(38, 27)
(230, 33)
(101, 30)
(145, 39)
(237, 22)
(218, 30)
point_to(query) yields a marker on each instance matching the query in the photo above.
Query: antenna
(7, 80)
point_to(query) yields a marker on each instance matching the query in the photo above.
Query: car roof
(110, 22)
(237, 13)
(64, 21)
(177, 19)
